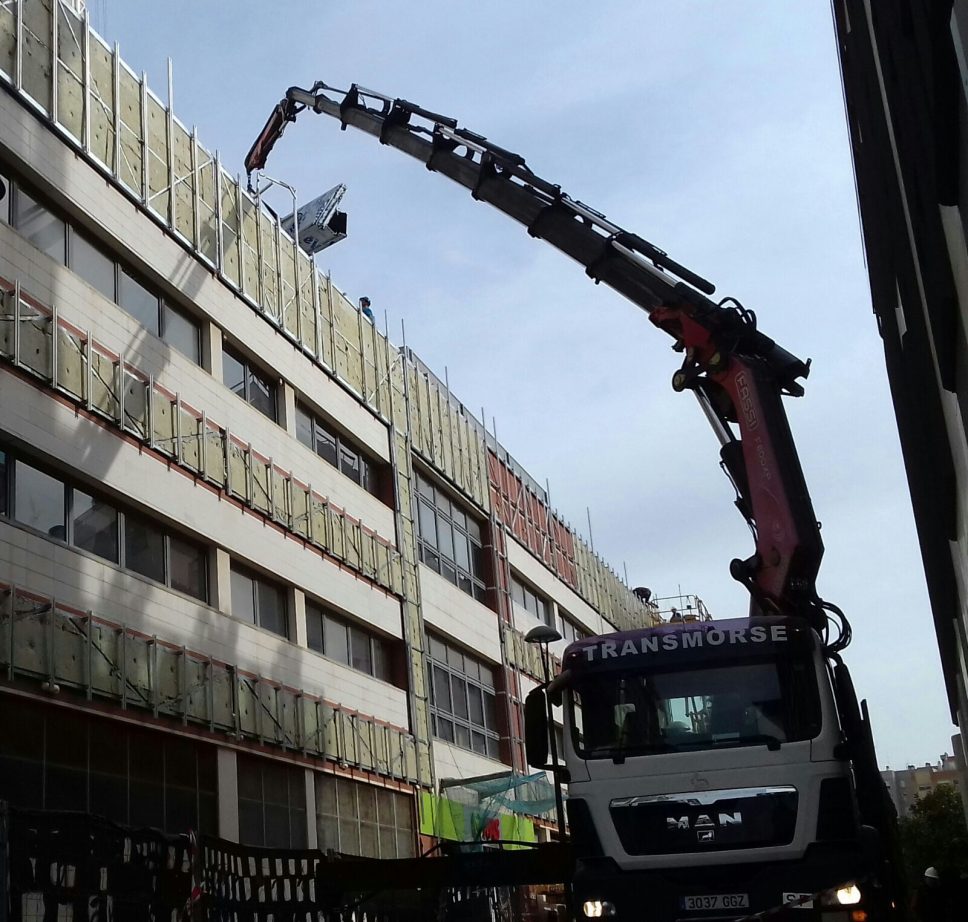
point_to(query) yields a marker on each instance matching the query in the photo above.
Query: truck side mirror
(536, 728)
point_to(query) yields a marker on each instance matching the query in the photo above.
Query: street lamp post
(543, 635)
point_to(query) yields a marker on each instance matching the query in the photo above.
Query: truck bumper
(689, 894)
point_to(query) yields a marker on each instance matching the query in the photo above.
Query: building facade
(261, 574)
(905, 75)
(908, 785)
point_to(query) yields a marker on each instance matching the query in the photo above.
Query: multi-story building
(261, 573)
(908, 785)
(905, 75)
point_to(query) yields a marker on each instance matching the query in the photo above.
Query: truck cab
(708, 775)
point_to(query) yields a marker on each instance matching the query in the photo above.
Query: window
(5, 196)
(95, 525)
(463, 702)
(182, 332)
(335, 450)
(39, 500)
(252, 385)
(272, 803)
(135, 299)
(53, 759)
(348, 642)
(50, 233)
(90, 522)
(754, 701)
(41, 227)
(361, 819)
(531, 602)
(259, 602)
(570, 630)
(92, 264)
(450, 539)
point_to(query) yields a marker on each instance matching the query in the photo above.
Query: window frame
(16, 189)
(249, 370)
(69, 486)
(543, 606)
(256, 580)
(368, 471)
(433, 501)
(442, 657)
(375, 642)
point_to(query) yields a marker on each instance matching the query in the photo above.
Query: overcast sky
(714, 129)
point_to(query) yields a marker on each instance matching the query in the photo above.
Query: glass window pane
(304, 427)
(462, 736)
(360, 650)
(138, 301)
(272, 608)
(314, 628)
(438, 649)
(144, 548)
(381, 660)
(44, 230)
(424, 488)
(326, 444)
(243, 599)
(474, 530)
(479, 743)
(5, 197)
(445, 730)
(458, 690)
(477, 561)
(349, 463)
(336, 644)
(490, 711)
(3, 482)
(442, 689)
(476, 702)
(92, 264)
(428, 523)
(462, 556)
(233, 373)
(493, 747)
(445, 539)
(455, 659)
(262, 394)
(39, 501)
(95, 525)
(187, 565)
(182, 332)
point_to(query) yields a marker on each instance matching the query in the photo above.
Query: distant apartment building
(261, 574)
(908, 785)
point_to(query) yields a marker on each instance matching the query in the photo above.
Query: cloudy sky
(714, 129)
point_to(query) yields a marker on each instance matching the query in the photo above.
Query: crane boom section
(737, 372)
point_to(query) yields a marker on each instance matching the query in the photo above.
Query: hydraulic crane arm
(737, 373)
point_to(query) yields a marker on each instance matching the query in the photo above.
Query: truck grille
(705, 821)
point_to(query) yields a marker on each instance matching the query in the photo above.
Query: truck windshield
(745, 703)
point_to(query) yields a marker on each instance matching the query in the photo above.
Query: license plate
(715, 901)
(800, 900)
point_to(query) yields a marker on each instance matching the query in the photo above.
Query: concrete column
(297, 610)
(228, 795)
(311, 839)
(220, 580)
(212, 350)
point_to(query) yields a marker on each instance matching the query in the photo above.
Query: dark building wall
(902, 64)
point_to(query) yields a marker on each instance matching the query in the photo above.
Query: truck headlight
(848, 896)
(597, 909)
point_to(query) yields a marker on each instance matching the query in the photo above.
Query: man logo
(704, 821)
